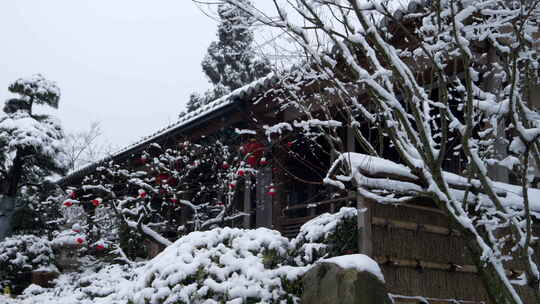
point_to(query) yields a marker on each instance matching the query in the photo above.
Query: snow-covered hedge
(229, 265)
(97, 284)
(224, 265)
(22, 254)
(327, 235)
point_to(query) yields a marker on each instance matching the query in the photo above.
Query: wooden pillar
(350, 140)
(247, 203)
(364, 227)
(312, 210)
(491, 83)
(264, 214)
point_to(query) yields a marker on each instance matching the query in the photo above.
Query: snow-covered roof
(370, 172)
(245, 92)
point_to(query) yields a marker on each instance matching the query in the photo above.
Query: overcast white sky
(130, 64)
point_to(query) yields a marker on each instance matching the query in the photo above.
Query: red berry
(272, 191)
(172, 181)
(252, 160)
(73, 195)
(174, 201)
(68, 203)
(232, 186)
(225, 165)
(263, 162)
(241, 173)
(100, 247)
(142, 194)
(80, 240)
(162, 178)
(290, 144)
(96, 202)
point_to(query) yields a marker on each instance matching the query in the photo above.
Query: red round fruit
(162, 178)
(272, 191)
(80, 240)
(252, 160)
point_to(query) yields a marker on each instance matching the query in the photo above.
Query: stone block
(328, 283)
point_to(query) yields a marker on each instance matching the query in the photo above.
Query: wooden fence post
(365, 245)
(247, 203)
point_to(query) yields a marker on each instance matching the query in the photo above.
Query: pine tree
(231, 62)
(30, 144)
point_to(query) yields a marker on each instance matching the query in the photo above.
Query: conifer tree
(30, 144)
(231, 62)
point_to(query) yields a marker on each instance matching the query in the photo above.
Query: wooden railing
(313, 206)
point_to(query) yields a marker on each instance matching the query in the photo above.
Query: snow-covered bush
(97, 284)
(22, 254)
(7, 300)
(224, 265)
(327, 235)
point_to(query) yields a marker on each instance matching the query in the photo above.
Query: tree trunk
(496, 289)
(7, 210)
(8, 192)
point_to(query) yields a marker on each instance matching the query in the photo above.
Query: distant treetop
(230, 62)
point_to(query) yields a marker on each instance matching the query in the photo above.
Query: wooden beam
(450, 267)
(423, 300)
(382, 222)
(424, 208)
(418, 264)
